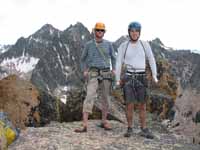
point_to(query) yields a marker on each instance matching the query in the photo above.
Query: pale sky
(175, 22)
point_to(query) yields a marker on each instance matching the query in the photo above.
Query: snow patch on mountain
(195, 51)
(82, 37)
(166, 48)
(23, 64)
(4, 48)
(39, 40)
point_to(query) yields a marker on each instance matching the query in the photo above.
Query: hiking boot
(146, 133)
(128, 132)
(81, 130)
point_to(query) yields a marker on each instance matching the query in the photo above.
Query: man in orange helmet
(96, 58)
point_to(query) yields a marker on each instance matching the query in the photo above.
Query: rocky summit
(61, 136)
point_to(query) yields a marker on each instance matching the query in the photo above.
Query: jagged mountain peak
(48, 26)
(160, 44)
(44, 36)
(77, 32)
(20, 42)
(120, 40)
(78, 25)
(47, 29)
(46, 32)
(158, 41)
(77, 28)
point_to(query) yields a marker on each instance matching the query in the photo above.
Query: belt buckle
(93, 73)
(105, 70)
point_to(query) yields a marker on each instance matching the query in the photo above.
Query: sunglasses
(99, 30)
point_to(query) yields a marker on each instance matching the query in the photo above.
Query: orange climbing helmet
(100, 25)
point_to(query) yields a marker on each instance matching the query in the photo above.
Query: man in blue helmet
(133, 54)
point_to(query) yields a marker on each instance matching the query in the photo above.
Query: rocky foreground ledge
(61, 136)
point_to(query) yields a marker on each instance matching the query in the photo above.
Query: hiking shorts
(98, 89)
(135, 88)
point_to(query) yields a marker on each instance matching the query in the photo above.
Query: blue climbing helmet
(134, 25)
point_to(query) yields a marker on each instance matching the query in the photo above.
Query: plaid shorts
(134, 88)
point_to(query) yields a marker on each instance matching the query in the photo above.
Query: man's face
(135, 34)
(99, 33)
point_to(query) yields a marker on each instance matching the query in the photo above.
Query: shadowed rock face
(184, 68)
(187, 107)
(19, 99)
(24, 104)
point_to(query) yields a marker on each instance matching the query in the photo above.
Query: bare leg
(144, 130)
(88, 103)
(85, 119)
(129, 114)
(142, 115)
(105, 103)
(85, 123)
(104, 114)
(105, 123)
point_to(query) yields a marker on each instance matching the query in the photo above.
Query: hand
(117, 86)
(155, 79)
(113, 72)
(118, 83)
(85, 74)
